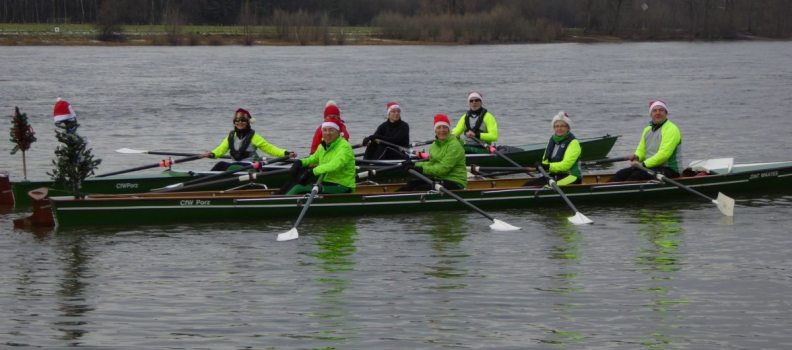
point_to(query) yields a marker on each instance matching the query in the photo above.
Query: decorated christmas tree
(22, 135)
(73, 162)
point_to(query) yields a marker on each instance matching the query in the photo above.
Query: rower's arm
(492, 129)
(268, 148)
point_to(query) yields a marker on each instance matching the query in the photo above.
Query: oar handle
(314, 191)
(557, 189)
(402, 148)
(498, 153)
(372, 172)
(164, 163)
(605, 161)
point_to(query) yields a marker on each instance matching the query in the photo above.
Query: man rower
(334, 158)
(660, 148)
(477, 122)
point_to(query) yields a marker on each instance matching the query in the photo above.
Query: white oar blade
(130, 151)
(498, 225)
(579, 219)
(288, 236)
(725, 204)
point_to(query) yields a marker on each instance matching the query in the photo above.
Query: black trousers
(635, 174)
(421, 185)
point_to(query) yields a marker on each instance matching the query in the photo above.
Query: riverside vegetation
(303, 22)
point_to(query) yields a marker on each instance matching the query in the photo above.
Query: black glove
(287, 153)
(306, 176)
(407, 165)
(418, 169)
(539, 164)
(365, 141)
(295, 169)
(372, 137)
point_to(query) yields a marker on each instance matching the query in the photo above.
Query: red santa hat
(475, 95)
(331, 109)
(241, 113)
(392, 106)
(656, 103)
(440, 120)
(332, 123)
(63, 111)
(562, 117)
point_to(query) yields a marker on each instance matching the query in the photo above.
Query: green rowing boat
(593, 148)
(161, 208)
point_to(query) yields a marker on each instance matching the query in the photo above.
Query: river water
(645, 275)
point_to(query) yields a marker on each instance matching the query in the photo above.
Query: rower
(561, 158)
(393, 130)
(333, 114)
(242, 142)
(479, 123)
(446, 161)
(334, 158)
(659, 150)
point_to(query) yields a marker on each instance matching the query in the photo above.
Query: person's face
(394, 115)
(475, 104)
(560, 127)
(658, 114)
(441, 132)
(240, 123)
(330, 134)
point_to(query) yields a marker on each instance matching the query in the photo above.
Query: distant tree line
(526, 19)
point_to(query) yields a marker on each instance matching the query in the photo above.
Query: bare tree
(171, 19)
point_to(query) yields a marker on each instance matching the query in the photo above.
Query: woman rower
(393, 130)
(561, 157)
(333, 114)
(242, 142)
(446, 161)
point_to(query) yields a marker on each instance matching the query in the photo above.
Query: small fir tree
(73, 161)
(22, 135)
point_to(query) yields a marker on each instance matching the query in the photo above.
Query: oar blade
(130, 151)
(289, 235)
(579, 219)
(498, 225)
(725, 204)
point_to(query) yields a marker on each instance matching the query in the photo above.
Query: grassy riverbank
(13, 34)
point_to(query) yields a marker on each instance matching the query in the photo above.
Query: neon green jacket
(337, 161)
(489, 129)
(257, 141)
(446, 161)
(662, 147)
(569, 164)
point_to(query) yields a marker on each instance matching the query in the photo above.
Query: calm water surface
(645, 275)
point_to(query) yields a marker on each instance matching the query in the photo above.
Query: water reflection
(446, 238)
(565, 253)
(71, 289)
(336, 246)
(659, 259)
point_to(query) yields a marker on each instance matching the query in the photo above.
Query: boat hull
(155, 209)
(593, 148)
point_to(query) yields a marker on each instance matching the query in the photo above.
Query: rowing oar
(605, 161)
(164, 163)
(255, 165)
(293, 234)
(578, 219)
(175, 154)
(404, 149)
(497, 225)
(372, 172)
(247, 177)
(724, 202)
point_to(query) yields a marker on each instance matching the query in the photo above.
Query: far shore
(199, 38)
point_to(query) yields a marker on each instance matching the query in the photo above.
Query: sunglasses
(237, 120)
(475, 100)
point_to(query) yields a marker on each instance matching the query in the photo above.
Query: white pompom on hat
(331, 109)
(63, 111)
(474, 95)
(656, 103)
(562, 117)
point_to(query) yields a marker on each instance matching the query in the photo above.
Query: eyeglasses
(237, 120)
(475, 100)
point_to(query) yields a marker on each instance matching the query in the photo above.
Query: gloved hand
(407, 165)
(295, 169)
(418, 169)
(305, 177)
(539, 164)
(290, 154)
(366, 141)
